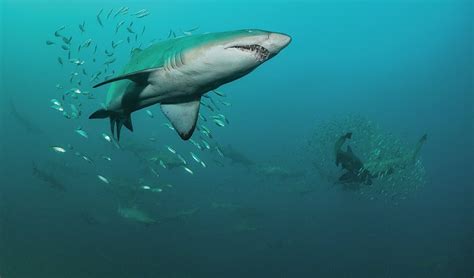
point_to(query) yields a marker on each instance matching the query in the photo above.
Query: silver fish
(98, 18)
(103, 179)
(82, 132)
(58, 149)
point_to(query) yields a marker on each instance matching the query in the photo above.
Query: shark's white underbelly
(164, 86)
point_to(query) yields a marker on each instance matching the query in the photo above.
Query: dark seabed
(264, 198)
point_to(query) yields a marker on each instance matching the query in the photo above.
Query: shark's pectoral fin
(139, 77)
(183, 116)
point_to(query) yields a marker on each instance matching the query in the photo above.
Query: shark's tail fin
(117, 120)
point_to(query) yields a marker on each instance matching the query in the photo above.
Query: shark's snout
(277, 41)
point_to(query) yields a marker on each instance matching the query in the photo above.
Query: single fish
(171, 149)
(110, 61)
(82, 132)
(149, 113)
(82, 27)
(225, 103)
(109, 54)
(87, 159)
(206, 145)
(106, 158)
(49, 43)
(196, 144)
(155, 172)
(119, 25)
(98, 18)
(195, 157)
(219, 151)
(219, 93)
(66, 40)
(87, 43)
(182, 159)
(110, 12)
(188, 170)
(58, 108)
(202, 117)
(55, 102)
(193, 29)
(103, 179)
(139, 12)
(106, 137)
(61, 28)
(114, 45)
(118, 12)
(58, 149)
(168, 125)
(143, 15)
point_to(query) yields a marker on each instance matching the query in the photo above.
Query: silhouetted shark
(356, 172)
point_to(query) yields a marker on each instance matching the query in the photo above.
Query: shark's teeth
(260, 52)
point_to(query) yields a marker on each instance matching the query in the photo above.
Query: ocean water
(264, 208)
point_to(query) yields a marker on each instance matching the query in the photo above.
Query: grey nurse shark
(177, 72)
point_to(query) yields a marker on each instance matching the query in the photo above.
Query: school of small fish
(373, 145)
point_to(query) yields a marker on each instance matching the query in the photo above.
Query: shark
(358, 172)
(381, 167)
(175, 73)
(355, 169)
(135, 214)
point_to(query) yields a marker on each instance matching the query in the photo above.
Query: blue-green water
(407, 65)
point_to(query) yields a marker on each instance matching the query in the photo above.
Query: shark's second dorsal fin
(183, 116)
(139, 77)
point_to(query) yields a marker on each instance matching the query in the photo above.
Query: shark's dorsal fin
(349, 150)
(183, 116)
(137, 77)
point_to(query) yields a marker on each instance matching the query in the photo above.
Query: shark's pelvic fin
(117, 120)
(139, 77)
(183, 116)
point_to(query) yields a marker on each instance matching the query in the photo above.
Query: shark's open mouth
(260, 52)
